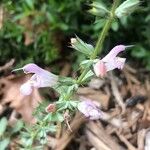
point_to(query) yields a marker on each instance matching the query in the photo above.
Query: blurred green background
(40, 30)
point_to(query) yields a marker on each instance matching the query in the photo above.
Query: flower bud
(51, 108)
(73, 40)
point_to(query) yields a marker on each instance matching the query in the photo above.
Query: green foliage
(8, 132)
(130, 29)
(3, 125)
(81, 46)
(126, 8)
(47, 25)
(99, 9)
(34, 30)
(4, 143)
(33, 33)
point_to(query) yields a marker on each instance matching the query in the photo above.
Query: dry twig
(117, 94)
(67, 135)
(7, 65)
(125, 141)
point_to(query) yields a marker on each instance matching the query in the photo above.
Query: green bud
(98, 9)
(127, 8)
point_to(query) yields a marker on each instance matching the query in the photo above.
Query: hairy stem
(105, 30)
(101, 38)
(65, 139)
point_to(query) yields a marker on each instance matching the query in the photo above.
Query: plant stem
(105, 30)
(102, 37)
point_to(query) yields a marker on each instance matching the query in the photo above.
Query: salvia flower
(110, 61)
(40, 78)
(90, 109)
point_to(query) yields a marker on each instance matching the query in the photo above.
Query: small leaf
(3, 125)
(4, 143)
(60, 117)
(86, 63)
(99, 9)
(30, 4)
(139, 52)
(88, 76)
(81, 46)
(18, 126)
(72, 88)
(127, 7)
(66, 80)
(115, 26)
(52, 128)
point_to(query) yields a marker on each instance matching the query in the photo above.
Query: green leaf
(4, 143)
(73, 104)
(54, 117)
(30, 3)
(139, 52)
(60, 117)
(63, 105)
(3, 125)
(127, 7)
(86, 63)
(66, 80)
(18, 126)
(88, 76)
(115, 26)
(52, 128)
(72, 88)
(99, 9)
(81, 46)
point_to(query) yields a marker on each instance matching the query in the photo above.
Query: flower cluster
(44, 78)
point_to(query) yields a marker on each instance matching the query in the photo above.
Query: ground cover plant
(111, 122)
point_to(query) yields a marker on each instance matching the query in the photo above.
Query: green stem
(105, 30)
(101, 38)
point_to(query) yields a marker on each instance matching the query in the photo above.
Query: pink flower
(110, 61)
(90, 109)
(40, 78)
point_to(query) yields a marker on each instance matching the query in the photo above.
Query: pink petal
(95, 114)
(113, 53)
(26, 89)
(120, 62)
(32, 68)
(89, 109)
(100, 69)
(117, 62)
